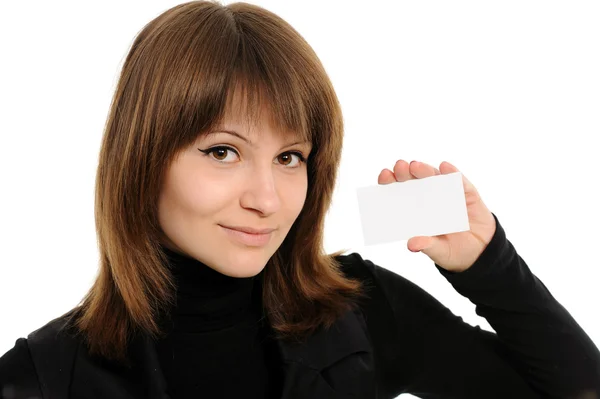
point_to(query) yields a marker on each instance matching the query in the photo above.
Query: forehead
(253, 120)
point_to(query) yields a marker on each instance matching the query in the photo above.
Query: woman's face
(258, 183)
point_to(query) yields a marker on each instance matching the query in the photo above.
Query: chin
(244, 272)
(244, 268)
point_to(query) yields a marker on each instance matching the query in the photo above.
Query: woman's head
(236, 175)
(193, 72)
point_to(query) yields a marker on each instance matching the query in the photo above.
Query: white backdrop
(506, 91)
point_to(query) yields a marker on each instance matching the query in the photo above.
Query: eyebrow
(241, 137)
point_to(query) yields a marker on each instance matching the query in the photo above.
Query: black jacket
(401, 340)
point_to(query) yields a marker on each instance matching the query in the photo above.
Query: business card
(420, 207)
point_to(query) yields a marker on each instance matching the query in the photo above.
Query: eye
(221, 156)
(220, 150)
(287, 155)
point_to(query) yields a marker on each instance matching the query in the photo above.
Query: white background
(507, 91)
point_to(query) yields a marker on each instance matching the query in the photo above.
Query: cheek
(203, 197)
(295, 195)
(193, 193)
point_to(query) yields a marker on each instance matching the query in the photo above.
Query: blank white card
(420, 207)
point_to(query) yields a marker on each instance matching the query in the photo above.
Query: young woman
(217, 168)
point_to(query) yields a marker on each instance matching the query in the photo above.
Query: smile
(250, 239)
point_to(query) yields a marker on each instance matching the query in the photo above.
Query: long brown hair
(176, 83)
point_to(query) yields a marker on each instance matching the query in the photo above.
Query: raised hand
(454, 252)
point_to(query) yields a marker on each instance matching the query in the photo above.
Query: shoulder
(54, 331)
(374, 276)
(44, 348)
(18, 378)
(386, 288)
(355, 266)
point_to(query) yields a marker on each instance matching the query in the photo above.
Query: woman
(217, 168)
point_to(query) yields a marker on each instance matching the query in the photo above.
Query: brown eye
(219, 153)
(286, 156)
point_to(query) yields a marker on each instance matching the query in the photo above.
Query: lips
(250, 230)
(248, 239)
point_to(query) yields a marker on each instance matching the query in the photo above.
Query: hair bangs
(251, 97)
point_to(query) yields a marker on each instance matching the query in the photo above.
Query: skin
(455, 252)
(260, 186)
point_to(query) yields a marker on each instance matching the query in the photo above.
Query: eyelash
(209, 151)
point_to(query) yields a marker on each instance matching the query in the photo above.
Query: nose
(260, 192)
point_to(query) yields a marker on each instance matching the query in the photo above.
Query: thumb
(430, 246)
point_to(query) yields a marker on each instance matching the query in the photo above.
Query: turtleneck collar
(208, 300)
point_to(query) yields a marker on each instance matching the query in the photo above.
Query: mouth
(249, 230)
(248, 239)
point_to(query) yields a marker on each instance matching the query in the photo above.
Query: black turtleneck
(216, 346)
(218, 342)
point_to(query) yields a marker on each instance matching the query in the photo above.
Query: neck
(206, 299)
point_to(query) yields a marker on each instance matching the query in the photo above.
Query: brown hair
(176, 83)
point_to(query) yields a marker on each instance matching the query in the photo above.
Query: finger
(446, 167)
(386, 177)
(421, 170)
(401, 171)
(420, 243)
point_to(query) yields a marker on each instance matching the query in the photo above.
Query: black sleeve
(538, 350)
(18, 379)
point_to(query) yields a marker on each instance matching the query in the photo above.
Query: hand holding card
(441, 213)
